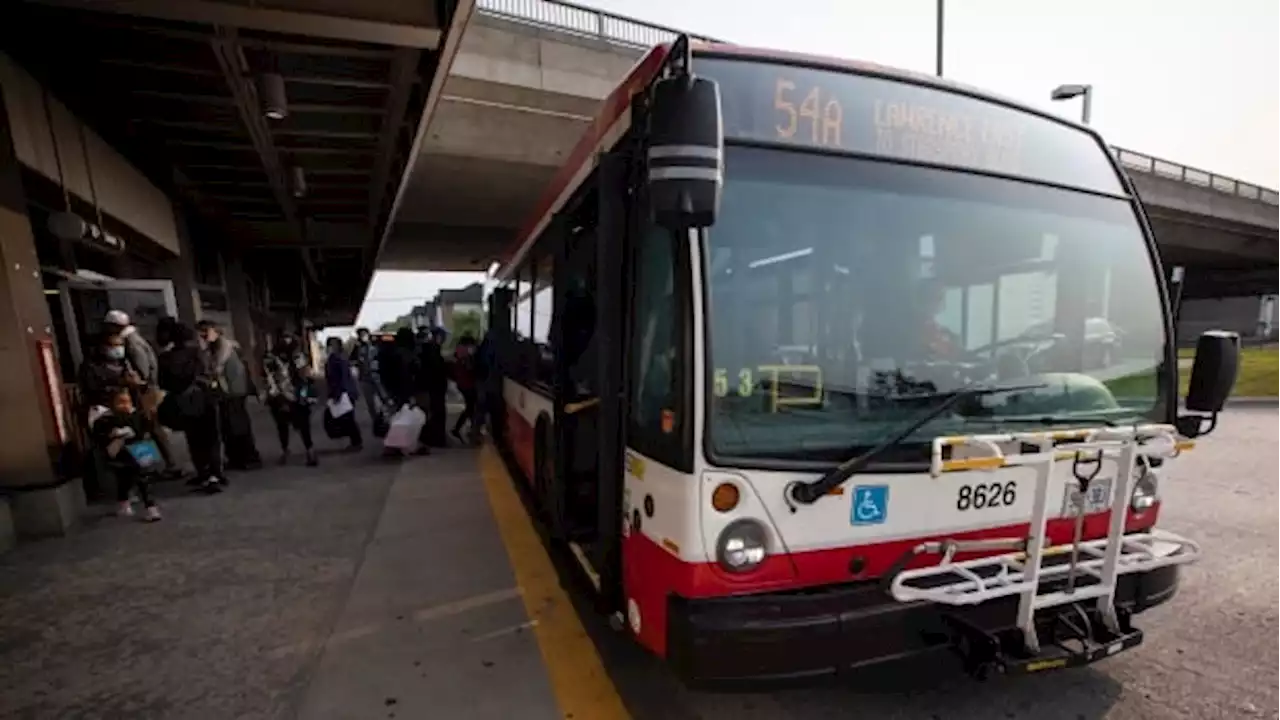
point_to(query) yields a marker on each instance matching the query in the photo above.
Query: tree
(466, 323)
(394, 325)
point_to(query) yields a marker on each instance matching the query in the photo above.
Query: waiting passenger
(190, 405)
(290, 395)
(121, 434)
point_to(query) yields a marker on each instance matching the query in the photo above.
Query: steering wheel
(1022, 351)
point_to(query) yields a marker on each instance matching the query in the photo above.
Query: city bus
(811, 365)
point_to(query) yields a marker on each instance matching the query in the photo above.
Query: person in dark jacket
(399, 369)
(105, 370)
(339, 380)
(464, 376)
(291, 394)
(190, 405)
(235, 386)
(433, 386)
(120, 434)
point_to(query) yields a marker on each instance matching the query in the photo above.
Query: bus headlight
(742, 546)
(1144, 491)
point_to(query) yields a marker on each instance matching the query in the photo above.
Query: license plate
(1097, 499)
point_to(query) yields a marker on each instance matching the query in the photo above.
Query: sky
(1192, 81)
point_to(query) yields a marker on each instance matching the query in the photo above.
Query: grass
(1258, 377)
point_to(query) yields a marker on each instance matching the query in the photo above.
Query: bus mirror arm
(1213, 374)
(808, 493)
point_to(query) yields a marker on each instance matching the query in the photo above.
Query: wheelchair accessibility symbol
(870, 505)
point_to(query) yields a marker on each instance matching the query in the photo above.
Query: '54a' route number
(979, 496)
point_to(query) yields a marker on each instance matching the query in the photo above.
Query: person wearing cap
(136, 348)
(145, 363)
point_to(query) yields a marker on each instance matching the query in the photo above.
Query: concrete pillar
(182, 270)
(237, 285)
(39, 504)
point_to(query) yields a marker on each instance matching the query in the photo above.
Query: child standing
(131, 453)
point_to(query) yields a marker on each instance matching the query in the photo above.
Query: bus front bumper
(744, 641)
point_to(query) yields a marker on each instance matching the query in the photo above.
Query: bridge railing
(598, 24)
(584, 21)
(1136, 161)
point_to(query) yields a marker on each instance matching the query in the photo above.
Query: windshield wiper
(807, 493)
(1044, 420)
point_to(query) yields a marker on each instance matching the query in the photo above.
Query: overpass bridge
(528, 77)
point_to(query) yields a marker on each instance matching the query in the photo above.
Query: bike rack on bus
(971, 582)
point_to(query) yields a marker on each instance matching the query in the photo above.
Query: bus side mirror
(685, 152)
(1213, 374)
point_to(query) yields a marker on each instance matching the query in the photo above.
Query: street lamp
(1066, 92)
(938, 58)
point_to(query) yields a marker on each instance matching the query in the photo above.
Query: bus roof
(615, 106)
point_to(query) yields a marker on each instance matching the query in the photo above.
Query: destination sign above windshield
(841, 111)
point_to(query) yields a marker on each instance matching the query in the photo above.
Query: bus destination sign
(843, 111)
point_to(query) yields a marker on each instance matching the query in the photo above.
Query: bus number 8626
(986, 495)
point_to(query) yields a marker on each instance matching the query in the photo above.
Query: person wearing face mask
(106, 369)
(102, 374)
(145, 362)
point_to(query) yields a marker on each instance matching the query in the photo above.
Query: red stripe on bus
(520, 441)
(651, 572)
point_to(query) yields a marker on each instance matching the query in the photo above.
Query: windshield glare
(845, 295)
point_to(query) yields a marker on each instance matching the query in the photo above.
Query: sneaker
(153, 514)
(211, 485)
(125, 509)
(312, 459)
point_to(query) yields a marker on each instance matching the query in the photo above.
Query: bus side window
(655, 418)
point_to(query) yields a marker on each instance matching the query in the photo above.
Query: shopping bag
(334, 427)
(146, 454)
(405, 427)
(341, 406)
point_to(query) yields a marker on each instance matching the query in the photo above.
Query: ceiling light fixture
(275, 104)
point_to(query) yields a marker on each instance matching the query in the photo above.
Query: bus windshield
(845, 296)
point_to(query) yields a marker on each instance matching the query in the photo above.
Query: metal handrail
(584, 21)
(629, 32)
(1193, 176)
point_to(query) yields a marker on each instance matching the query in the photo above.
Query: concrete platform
(434, 625)
(364, 588)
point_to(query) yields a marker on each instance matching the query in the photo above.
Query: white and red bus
(814, 364)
